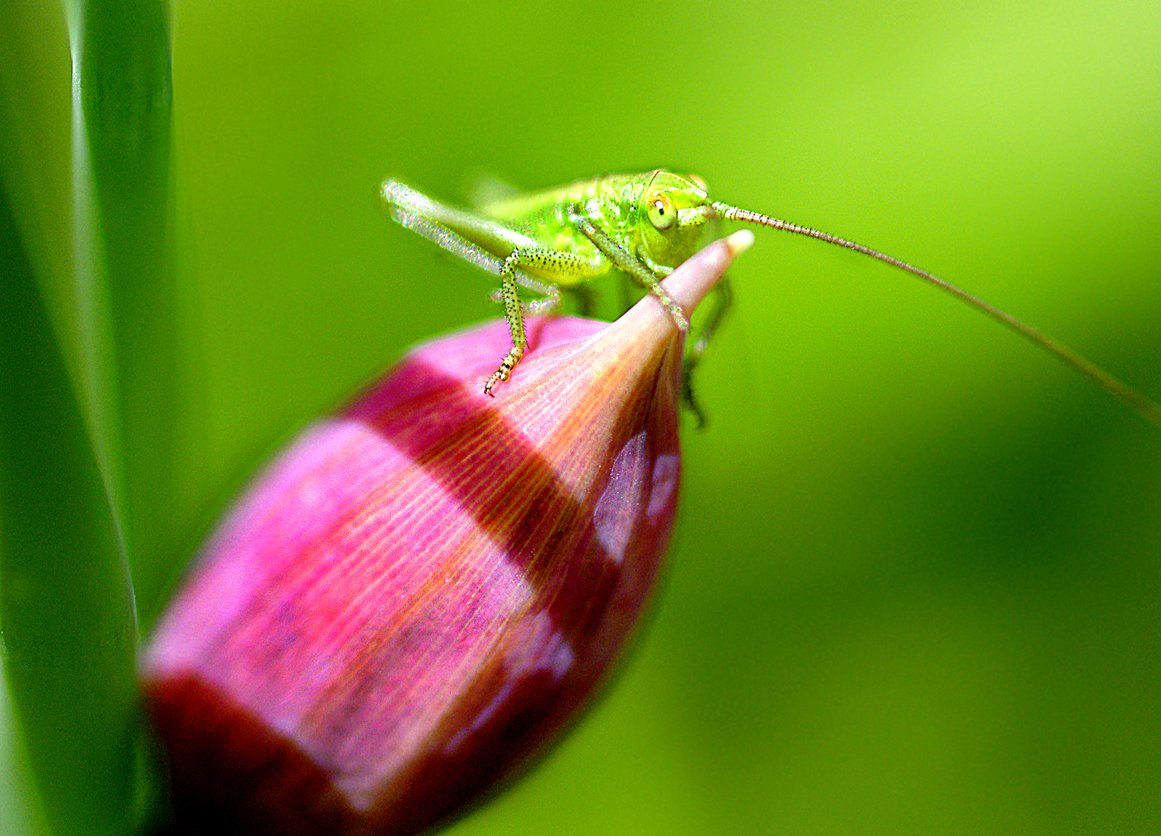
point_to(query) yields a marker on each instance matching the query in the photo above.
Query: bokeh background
(916, 583)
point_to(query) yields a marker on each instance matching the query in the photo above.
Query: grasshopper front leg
(625, 261)
(651, 281)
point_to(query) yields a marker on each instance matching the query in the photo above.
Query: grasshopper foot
(687, 395)
(505, 371)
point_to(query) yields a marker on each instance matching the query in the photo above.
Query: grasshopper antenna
(1148, 408)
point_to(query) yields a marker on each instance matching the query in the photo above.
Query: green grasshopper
(643, 225)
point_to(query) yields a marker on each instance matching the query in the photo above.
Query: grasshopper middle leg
(543, 260)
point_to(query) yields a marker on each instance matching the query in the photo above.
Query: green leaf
(66, 608)
(86, 358)
(122, 181)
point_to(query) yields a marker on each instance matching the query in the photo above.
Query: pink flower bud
(419, 594)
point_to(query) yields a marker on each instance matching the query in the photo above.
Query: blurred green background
(916, 583)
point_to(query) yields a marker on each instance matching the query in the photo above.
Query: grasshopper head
(673, 211)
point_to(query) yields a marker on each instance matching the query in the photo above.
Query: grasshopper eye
(662, 212)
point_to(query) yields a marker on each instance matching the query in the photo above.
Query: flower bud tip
(740, 241)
